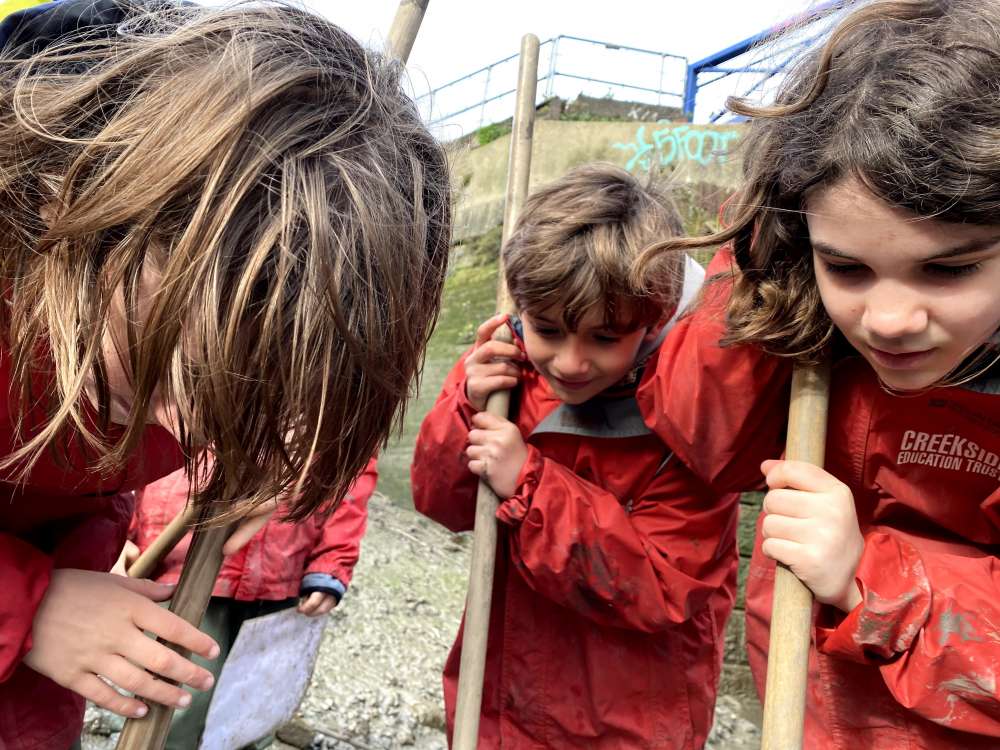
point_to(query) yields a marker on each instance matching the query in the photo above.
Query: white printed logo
(946, 450)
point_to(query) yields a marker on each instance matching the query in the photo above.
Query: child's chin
(571, 397)
(909, 380)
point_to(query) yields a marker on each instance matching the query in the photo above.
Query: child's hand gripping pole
(484, 543)
(791, 614)
(204, 558)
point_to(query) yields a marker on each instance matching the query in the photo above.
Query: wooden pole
(404, 28)
(484, 542)
(204, 558)
(201, 568)
(791, 613)
(146, 563)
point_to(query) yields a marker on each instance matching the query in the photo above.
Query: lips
(900, 360)
(572, 385)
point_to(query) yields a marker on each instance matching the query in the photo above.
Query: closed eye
(845, 269)
(943, 269)
(547, 333)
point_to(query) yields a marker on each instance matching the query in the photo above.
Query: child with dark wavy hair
(221, 229)
(868, 230)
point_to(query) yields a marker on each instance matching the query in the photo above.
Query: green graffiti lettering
(677, 143)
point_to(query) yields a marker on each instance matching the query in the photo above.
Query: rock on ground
(377, 684)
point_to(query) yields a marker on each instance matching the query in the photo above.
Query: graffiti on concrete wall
(672, 144)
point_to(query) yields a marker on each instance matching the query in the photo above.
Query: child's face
(579, 364)
(115, 349)
(914, 296)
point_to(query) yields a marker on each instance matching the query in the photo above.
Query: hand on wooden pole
(791, 614)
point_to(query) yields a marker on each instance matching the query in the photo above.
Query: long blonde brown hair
(268, 182)
(901, 96)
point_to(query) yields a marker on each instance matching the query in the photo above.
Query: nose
(894, 311)
(571, 361)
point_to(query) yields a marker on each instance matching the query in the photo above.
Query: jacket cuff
(895, 605)
(514, 509)
(464, 406)
(26, 573)
(323, 582)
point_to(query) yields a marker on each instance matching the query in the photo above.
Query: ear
(653, 331)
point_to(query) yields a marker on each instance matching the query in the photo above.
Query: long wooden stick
(201, 568)
(791, 613)
(204, 559)
(484, 542)
(404, 28)
(146, 562)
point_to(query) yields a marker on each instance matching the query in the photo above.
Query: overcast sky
(459, 36)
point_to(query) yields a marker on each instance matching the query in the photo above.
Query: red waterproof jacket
(63, 516)
(615, 575)
(915, 664)
(273, 564)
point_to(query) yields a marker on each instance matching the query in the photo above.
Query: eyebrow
(546, 321)
(972, 246)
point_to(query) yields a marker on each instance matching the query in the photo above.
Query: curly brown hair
(576, 240)
(901, 96)
(253, 198)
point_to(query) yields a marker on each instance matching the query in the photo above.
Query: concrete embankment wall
(694, 156)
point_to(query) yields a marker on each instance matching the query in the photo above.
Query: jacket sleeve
(25, 572)
(721, 409)
(337, 549)
(644, 567)
(443, 487)
(930, 622)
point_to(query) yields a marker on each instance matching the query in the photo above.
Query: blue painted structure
(714, 62)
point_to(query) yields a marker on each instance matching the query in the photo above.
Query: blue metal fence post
(690, 91)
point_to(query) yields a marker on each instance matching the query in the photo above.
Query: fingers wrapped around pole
(791, 614)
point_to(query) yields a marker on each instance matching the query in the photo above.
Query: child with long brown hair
(616, 566)
(221, 229)
(869, 230)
